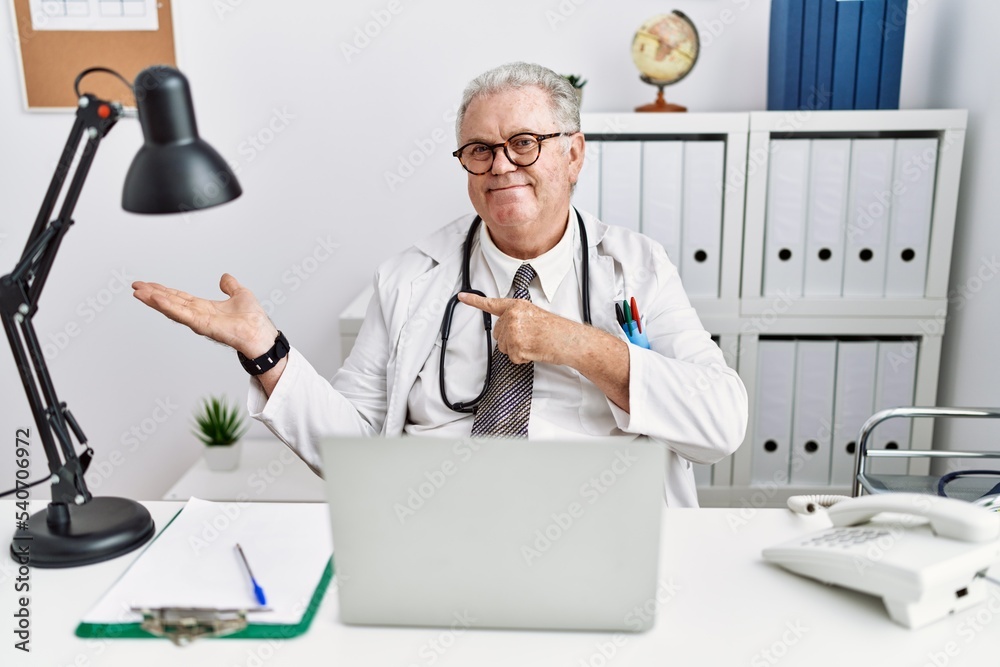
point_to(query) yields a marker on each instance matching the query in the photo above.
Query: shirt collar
(551, 267)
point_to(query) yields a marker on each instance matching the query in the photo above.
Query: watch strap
(268, 360)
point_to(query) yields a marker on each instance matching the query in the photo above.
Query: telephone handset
(922, 559)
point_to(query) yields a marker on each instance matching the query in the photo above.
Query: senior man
(528, 251)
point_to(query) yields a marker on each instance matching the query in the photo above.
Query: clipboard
(181, 622)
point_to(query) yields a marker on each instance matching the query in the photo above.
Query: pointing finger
(492, 306)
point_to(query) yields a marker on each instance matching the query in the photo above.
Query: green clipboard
(251, 631)
(248, 631)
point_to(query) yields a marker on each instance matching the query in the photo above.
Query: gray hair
(563, 101)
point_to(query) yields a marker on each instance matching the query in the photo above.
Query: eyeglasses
(522, 150)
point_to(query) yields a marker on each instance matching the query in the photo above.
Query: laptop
(496, 533)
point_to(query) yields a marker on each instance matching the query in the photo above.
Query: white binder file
(910, 220)
(853, 404)
(773, 411)
(662, 180)
(621, 183)
(868, 217)
(785, 226)
(897, 369)
(587, 195)
(812, 417)
(701, 233)
(829, 175)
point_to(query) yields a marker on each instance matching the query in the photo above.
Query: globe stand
(660, 104)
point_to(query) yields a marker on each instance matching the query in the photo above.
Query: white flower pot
(223, 457)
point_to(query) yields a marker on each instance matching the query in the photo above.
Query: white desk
(728, 608)
(268, 472)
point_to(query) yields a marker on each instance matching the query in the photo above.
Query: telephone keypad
(846, 537)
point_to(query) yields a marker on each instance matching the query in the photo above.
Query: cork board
(51, 60)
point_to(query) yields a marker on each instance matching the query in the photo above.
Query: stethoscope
(470, 406)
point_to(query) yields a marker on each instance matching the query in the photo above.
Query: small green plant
(219, 423)
(575, 80)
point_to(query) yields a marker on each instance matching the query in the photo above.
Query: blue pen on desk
(257, 590)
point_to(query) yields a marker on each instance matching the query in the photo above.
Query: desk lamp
(174, 171)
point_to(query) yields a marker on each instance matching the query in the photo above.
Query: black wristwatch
(269, 359)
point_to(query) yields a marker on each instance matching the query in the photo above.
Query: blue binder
(809, 98)
(784, 54)
(845, 57)
(892, 54)
(824, 53)
(866, 88)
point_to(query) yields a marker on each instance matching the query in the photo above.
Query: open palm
(239, 321)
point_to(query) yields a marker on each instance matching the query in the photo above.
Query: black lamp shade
(175, 171)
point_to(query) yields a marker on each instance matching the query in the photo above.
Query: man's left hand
(523, 331)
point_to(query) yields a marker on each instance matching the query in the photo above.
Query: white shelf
(794, 307)
(607, 125)
(853, 122)
(751, 498)
(268, 472)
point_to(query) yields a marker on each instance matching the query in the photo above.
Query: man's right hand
(239, 321)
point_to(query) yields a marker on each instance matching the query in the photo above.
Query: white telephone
(924, 565)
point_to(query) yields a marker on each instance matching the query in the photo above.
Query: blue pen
(257, 590)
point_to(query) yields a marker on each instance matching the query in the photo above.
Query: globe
(665, 49)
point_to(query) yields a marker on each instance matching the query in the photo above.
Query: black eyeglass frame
(493, 149)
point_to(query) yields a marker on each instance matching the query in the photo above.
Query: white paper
(91, 15)
(193, 562)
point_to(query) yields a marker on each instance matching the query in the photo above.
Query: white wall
(346, 121)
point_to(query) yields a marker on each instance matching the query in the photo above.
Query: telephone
(921, 554)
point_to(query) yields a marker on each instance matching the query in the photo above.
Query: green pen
(628, 313)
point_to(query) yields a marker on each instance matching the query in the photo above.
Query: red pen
(635, 315)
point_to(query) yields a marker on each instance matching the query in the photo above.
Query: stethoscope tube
(449, 311)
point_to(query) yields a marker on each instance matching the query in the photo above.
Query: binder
(621, 180)
(913, 180)
(869, 54)
(587, 195)
(868, 217)
(825, 53)
(893, 36)
(852, 404)
(773, 411)
(808, 94)
(829, 175)
(845, 53)
(192, 564)
(701, 231)
(784, 54)
(812, 420)
(662, 181)
(785, 222)
(897, 370)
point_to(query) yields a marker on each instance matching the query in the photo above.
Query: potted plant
(220, 426)
(578, 82)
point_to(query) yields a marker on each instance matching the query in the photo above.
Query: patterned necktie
(505, 408)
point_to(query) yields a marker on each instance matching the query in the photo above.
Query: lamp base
(99, 530)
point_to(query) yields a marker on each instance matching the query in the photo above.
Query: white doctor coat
(680, 391)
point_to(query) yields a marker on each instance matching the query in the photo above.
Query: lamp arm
(56, 184)
(20, 291)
